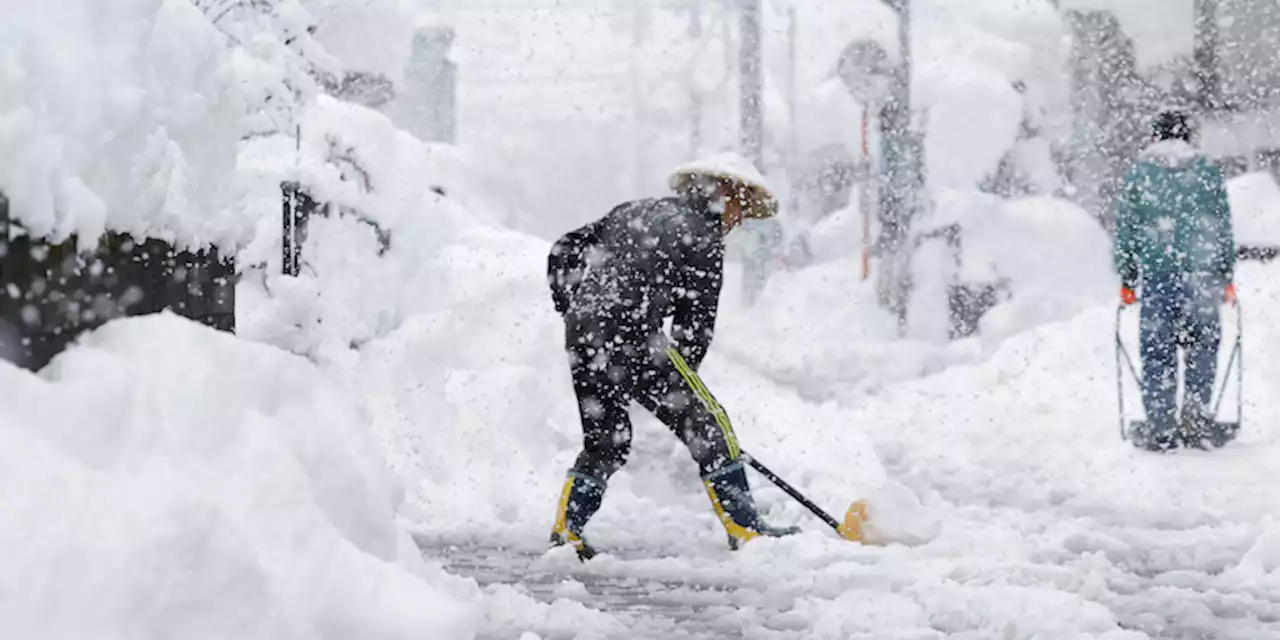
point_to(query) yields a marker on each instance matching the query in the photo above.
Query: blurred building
(427, 104)
(1223, 66)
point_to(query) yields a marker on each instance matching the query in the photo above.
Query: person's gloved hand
(1128, 296)
(1230, 294)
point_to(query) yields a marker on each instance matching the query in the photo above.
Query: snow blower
(1223, 431)
(854, 516)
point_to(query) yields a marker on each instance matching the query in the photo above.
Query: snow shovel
(1224, 431)
(850, 529)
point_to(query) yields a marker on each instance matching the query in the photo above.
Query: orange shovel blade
(851, 528)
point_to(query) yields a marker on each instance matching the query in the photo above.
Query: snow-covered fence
(55, 291)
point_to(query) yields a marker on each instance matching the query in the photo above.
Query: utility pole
(902, 177)
(750, 82)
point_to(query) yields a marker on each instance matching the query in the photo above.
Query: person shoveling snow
(1174, 240)
(615, 281)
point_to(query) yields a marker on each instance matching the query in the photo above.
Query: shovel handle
(791, 491)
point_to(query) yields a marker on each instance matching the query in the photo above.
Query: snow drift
(1255, 209)
(170, 481)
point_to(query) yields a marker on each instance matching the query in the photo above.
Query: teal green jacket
(1173, 218)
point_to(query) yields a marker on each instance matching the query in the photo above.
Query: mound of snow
(850, 345)
(379, 181)
(1255, 209)
(121, 115)
(1055, 258)
(169, 481)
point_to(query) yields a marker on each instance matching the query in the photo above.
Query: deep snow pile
(1255, 208)
(168, 481)
(1054, 259)
(124, 112)
(1023, 455)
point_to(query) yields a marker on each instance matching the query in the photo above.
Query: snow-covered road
(1036, 520)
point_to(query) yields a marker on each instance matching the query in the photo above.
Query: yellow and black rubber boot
(579, 500)
(731, 499)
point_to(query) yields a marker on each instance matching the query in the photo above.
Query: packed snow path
(678, 604)
(1158, 597)
(1050, 526)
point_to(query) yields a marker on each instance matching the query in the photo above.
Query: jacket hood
(1170, 154)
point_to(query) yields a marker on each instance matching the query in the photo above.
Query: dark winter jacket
(1173, 218)
(645, 261)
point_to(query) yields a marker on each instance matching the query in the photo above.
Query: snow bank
(121, 115)
(1255, 208)
(850, 345)
(1041, 415)
(1055, 257)
(169, 481)
(1049, 522)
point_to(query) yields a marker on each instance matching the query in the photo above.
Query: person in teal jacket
(1174, 244)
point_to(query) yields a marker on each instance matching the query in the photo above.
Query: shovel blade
(854, 517)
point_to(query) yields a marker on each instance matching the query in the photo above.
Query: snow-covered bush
(366, 254)
(1255, 209)
(121, 114)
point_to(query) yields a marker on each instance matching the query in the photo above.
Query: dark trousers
(610, 371)
(1178, 312)
(609, 375)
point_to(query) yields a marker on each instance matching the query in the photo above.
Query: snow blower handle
(850, 529)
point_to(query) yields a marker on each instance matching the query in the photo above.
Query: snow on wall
(121, 115)
(168, 481)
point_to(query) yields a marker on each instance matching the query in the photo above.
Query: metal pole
(751, 125)
(902, 177)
